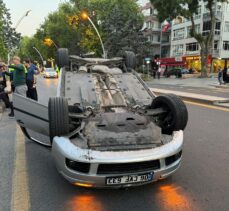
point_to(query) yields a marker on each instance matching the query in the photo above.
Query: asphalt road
(200, 184)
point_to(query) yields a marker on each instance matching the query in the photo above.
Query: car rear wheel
(58, 117)
(62, 57)
(175, 118)
(130, 60)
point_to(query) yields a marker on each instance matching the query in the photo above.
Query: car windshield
(50, 70)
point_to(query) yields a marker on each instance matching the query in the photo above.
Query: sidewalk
(190, 82)
(206, 99)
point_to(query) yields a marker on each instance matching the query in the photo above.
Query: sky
(40, 10)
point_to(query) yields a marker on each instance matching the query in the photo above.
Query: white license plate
(130, 179)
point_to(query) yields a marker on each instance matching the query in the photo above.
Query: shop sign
(193, 58)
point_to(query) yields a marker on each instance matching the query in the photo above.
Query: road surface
(200, 184)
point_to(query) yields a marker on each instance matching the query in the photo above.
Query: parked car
(185, 71)
(174, 71)
(106, 127)
(50, 73)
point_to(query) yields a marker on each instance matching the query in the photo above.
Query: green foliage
(118, 21)
(121, 23)
(9, 38)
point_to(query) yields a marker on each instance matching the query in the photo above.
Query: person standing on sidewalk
(159, 72)
(5, 87)
(32, 70)
(19, 78)
(220, 76)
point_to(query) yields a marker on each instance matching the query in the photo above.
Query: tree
(118, 21)
(121, 22)
(9, 38)
(188, 8)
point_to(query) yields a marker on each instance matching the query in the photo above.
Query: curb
(222, 86)
(220, 104)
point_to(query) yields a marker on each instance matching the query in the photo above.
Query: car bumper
(51, 76)
(64, 149)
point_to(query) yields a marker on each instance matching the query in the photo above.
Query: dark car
(174, 71)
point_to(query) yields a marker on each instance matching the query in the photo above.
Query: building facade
(159, 42)
(183, 45)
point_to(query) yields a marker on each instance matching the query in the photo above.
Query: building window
(198, 14)
(151, 11)
(216, 44)
(178, 50)
(226, 29)
(178, 34)
(190, 47)
(226, 45)
(197, 27)
(156, 38)
(207, 28)
(217, 28)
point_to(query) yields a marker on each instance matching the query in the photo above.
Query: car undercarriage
(106, 127)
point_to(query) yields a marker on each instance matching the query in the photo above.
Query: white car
(50, 73)
(106, 128)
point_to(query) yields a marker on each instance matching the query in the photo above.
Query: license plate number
(130, 179)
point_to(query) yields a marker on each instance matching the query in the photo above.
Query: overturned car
(106, 128)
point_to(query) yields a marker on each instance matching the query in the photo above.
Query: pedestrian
(159, 73)
(57, 71)
(220, 76)
(19, 78)
(154, 68)
(225, 77)
(5, 88)
(32, 70)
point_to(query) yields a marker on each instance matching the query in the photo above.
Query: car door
(31, 114)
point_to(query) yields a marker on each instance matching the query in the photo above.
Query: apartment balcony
(216, 53)
(150, 31)
(155, 29)
(189, 53)
(166, 42)
(155, 42)
(151, 18)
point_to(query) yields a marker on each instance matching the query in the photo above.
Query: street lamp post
(39, 53)
(86, 16)
(22, 17)
(16, 26)
(49, 42)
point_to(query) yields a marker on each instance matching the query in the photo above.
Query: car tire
(62, 57)
(58, 117)
(177, 116)
(130, 60)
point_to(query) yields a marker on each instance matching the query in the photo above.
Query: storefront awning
(172, 61)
